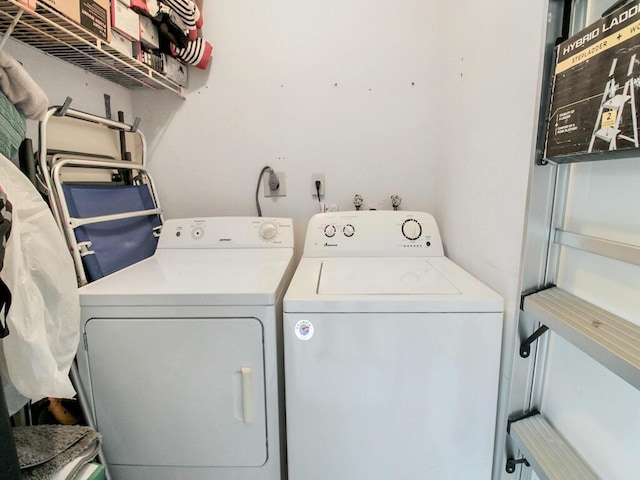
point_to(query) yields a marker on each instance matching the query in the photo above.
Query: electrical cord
(318, 184)
(274, 184)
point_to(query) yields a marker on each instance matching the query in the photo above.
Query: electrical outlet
(315, 177)
(282, 189)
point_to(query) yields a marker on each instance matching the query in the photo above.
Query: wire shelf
(60, 37)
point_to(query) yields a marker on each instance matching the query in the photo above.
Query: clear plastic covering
(44, 317)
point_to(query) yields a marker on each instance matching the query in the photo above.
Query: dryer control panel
(227, 232)
(373, 233)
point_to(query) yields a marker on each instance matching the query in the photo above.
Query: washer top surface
(381, 261)
(382, 276)
(213, 261)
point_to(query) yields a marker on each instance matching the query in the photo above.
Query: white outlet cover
(281, 192)
(314, 177)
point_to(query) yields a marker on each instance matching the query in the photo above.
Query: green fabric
(97, 474)
(13, 127)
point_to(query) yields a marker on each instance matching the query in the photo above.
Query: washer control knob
(329, 231)
(411, 229)
(268, 230)
(348, 230)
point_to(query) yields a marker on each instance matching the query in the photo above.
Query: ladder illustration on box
(612, 106)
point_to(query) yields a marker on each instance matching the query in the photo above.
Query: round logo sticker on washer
(304, 329)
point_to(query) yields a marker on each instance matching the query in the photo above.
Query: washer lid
(386, 284)
(382, 276)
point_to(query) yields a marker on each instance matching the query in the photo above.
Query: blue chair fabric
(116, 243)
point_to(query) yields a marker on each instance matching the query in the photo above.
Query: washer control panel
(373, 233)
(227, 232)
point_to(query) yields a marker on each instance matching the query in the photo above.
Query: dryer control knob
(197, 233)
(411, 229)
(268, 230)
(329, 231)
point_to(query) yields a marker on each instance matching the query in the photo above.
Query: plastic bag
(44, 319)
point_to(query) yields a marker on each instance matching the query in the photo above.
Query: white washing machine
(181, 353)
(392, 354)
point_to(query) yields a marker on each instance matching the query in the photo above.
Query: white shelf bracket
(9, 31)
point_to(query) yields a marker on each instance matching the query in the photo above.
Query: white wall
(343, 88)
(492, 82)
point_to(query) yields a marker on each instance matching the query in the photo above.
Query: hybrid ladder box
(585, 121)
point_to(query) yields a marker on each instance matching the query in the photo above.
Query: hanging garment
(5, 231)
(21, 89)
(13, 127)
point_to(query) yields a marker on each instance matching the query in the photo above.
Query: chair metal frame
(103, 125)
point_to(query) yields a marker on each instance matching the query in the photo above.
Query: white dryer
(392, 354)
(181, 352)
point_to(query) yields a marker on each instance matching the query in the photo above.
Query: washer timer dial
(268, 230)
(411, 229)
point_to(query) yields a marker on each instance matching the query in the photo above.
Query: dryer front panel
(179, 392)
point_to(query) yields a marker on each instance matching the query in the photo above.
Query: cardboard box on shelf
(595, 102)
(94, 15)
(123, 44)
(174, 70)
(149, 33)
(125, 20)
(28, 5)
(151, 57)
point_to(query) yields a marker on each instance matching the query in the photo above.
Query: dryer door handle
(247, 394)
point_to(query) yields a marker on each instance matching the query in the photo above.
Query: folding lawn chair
(106, 206)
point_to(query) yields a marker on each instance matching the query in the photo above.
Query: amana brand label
(304, 329)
